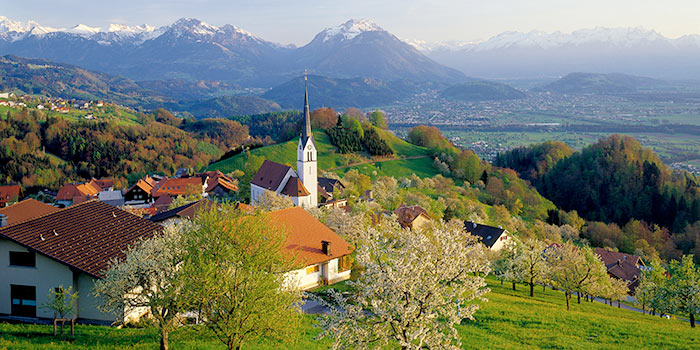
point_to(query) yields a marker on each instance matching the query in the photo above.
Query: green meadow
(508, 320)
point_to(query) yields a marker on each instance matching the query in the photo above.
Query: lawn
(509, 320)
(328, 158)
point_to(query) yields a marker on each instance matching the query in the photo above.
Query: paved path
(376, 161)
(624, 306)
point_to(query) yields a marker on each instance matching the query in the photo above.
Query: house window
(309, 156)
(312, 269)
(23, 300)
(26, 259)
(345, 263)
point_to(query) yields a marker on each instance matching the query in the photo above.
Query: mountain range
(536, 54)
(190, 49)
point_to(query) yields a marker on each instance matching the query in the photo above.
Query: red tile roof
(179, 186)
(85, 236)
(26, 210)
(270, 175)
(407, 214)
(295, 188)
(9, 193)
(306, 234)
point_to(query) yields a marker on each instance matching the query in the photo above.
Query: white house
(492, 237)
(69, 247)
(324, 255)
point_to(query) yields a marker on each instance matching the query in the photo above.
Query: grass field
(509, 320)
(328, 158)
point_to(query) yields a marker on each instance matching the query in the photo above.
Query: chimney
(3, 220)
(326, 247)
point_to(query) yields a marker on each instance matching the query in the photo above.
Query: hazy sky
(297, 21)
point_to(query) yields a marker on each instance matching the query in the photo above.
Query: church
(300, 185)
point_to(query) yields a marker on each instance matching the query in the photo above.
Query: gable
(270, 175)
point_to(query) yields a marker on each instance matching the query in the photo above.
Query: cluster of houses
(70, 244)
(59, 105)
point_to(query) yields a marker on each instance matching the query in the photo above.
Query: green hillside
(509, 320)
(328, 159)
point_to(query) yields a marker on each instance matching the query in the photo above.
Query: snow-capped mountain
(362, 48)
(349, 30)
(193, 49)
(533, 54)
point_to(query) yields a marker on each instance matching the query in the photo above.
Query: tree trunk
(692, 320)
(164, 339)
(618, 304)
(643, 311)
(578, 297)
(513, 285)
(532, 288)
(568, 296)
(501, 281)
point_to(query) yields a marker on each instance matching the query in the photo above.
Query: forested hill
(616, 181)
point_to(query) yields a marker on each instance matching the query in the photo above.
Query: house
(80, 192)
(112, 197)
(324, 255)
(300, 185)
(413, 217)
(492, 237)
(327, 188)
(25, 210)
(71, 247)
(9, 194)
(174, 187)
(140, 192)
(218, 184)
(626, 267)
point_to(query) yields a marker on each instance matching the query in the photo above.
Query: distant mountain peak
(350, 29)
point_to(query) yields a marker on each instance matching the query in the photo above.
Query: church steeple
(306, 156)
(306, 131)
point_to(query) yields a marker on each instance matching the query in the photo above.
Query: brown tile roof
(306, 234)
(178, 186)
(26, 210)
(295, 188)
(609, 257)
(101, 184)
(85, 236)
(270, 175)
(9, 193)
(407, 214)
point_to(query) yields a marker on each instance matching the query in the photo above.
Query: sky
(297, 21)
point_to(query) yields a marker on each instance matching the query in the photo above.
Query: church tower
(306, 154)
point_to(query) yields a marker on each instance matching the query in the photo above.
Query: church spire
(306, 132)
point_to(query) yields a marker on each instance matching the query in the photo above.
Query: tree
(651, 281)
(575, 269)
(149, 277)
(530, 263)
(62, 302)
(504, 266)
(271, 200)
(416, 286)
(618, 290)
(235, 276)
(323, 118)
(682, 290)
(378, 119)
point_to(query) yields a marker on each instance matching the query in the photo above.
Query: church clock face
(309, 147)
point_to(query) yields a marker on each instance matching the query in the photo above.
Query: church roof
(270, 175)
(295, 188)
